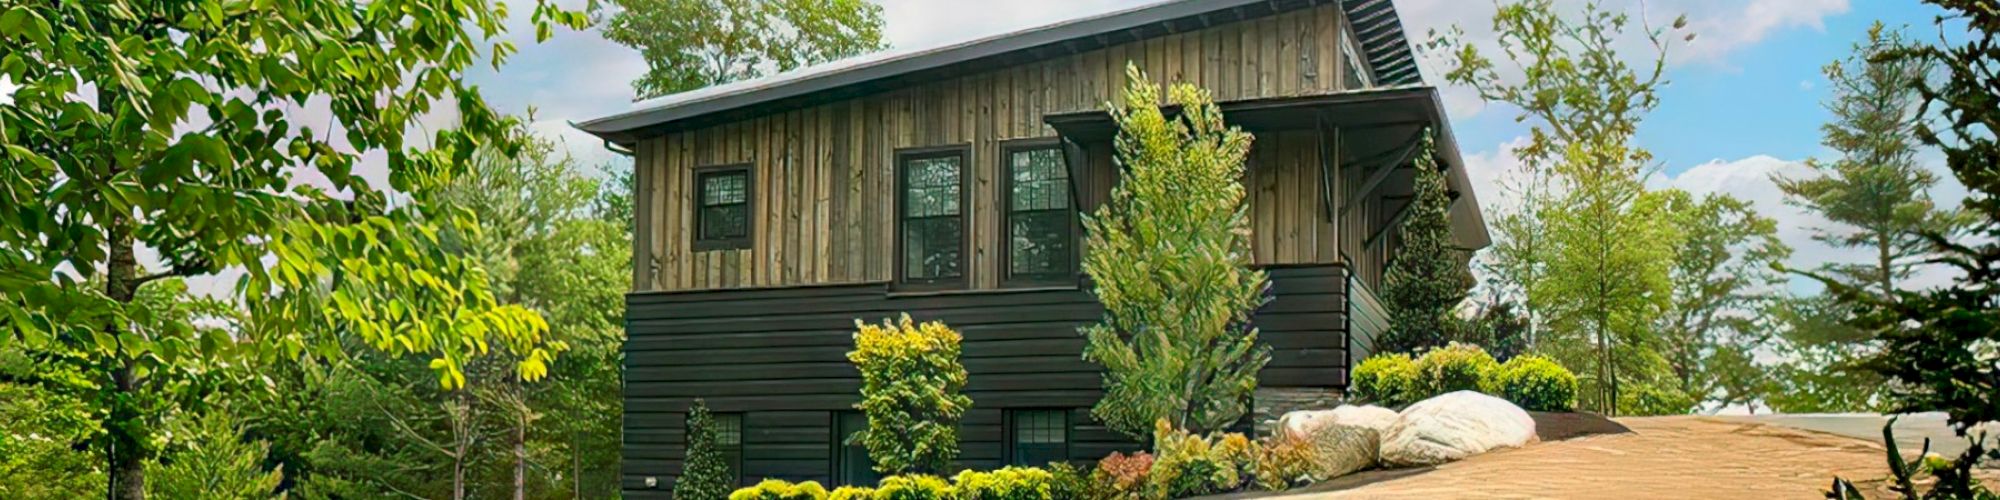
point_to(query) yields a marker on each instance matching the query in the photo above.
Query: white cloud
(7, 88)
(1722, 27)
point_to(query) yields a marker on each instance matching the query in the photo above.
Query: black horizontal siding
(780, 357)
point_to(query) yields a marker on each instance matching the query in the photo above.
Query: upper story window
(1040, 221)
(931, 213)
(722, 208)
(1357, 73)
(1037, 437)
(729, 441)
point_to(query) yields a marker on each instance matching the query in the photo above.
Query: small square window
(1037, 437)
(851, 464)
(722, 208)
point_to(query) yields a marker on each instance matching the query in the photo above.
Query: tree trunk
(576, 465)
(128, 466)
(463, 444)
(520, 457)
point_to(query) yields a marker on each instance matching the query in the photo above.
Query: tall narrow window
(722, 208)
(729, 441)
(1037, 437)
(1040, 221)
(851, 465)
(933, 217)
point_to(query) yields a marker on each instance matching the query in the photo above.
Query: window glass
(1038, 437)
(852, 465)
(1040, 241)
(729, 441)
(933, 227)
(724, 211)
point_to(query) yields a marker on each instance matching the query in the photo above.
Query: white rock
(1454, 426)
(1338, 450)
(1301, 424)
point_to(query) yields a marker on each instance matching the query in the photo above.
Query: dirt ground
(1663, 457)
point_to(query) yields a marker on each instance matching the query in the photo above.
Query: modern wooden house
(946, 183)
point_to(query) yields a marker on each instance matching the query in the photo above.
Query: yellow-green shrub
(852, 493)
(1387, 380)
(912, 487)
(1009, 483)
(1066, 481)
(777, 489)
(911, 380)
(1283, 462)
(1455, 367)
(1190, 465)
(1535, 383)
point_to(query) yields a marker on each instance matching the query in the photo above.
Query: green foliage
(1501, 329)
(1654, 399)
(911, 384)
(705, 476)
(1724, 272)
(1067, 481)
(1588, 248)
(1170, 255)
(1388, 379)
(1428, 278)
(851, 493)
(1454, 367)
(1952, 479)
(1283, 462)
(1122, 477)
(184, 149)
(1536, 383)
(37, 430)
(690, 44)
(214, 460)
(1008, 483)
(912, 487)
(1189, 465)
(778, 489)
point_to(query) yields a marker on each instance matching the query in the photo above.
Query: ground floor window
(729, 442)
(851, 465)
(1037, 437)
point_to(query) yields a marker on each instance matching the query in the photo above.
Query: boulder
(1339, 450)
(1301, 424)
(1454, 426)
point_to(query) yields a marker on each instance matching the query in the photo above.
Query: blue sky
(1744, 100)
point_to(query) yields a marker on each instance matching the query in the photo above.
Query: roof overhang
(1372, 123)
(1378, 31)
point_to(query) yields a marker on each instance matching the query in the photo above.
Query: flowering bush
(1283, 462)
(1190, 465)
(1120, 476)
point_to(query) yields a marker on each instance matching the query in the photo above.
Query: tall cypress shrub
(1429, 277)
(705, 476)
(1170, 256)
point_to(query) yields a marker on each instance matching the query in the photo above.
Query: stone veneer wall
(1273, 402)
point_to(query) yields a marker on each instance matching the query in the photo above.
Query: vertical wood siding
(824, 210)
(779, 357)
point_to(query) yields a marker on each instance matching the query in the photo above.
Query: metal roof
(1378, 32)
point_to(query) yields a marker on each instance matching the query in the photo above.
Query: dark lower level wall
(778, 357)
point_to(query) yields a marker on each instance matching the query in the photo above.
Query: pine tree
(1170, 254)
(1875, 193)
(705, 477)
(1429, 277)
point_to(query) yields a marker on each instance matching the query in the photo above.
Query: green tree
(1876, 194)
(214, 460)
(1938, 346)
(1597, 275)
(1877, 197)
(1723, 274)
(159, 126)
(690, 44)
(912, 390)
(1170, 255)
(705, 477)
(1429, 277)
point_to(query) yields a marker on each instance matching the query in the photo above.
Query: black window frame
(700, 192)
(1010, 439)
(839, 463)
(903, 158)
(734, 458)
(1004, 204)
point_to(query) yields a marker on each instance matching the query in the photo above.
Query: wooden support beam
(1075, 161)
(1329, 156)
(1394, 220)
